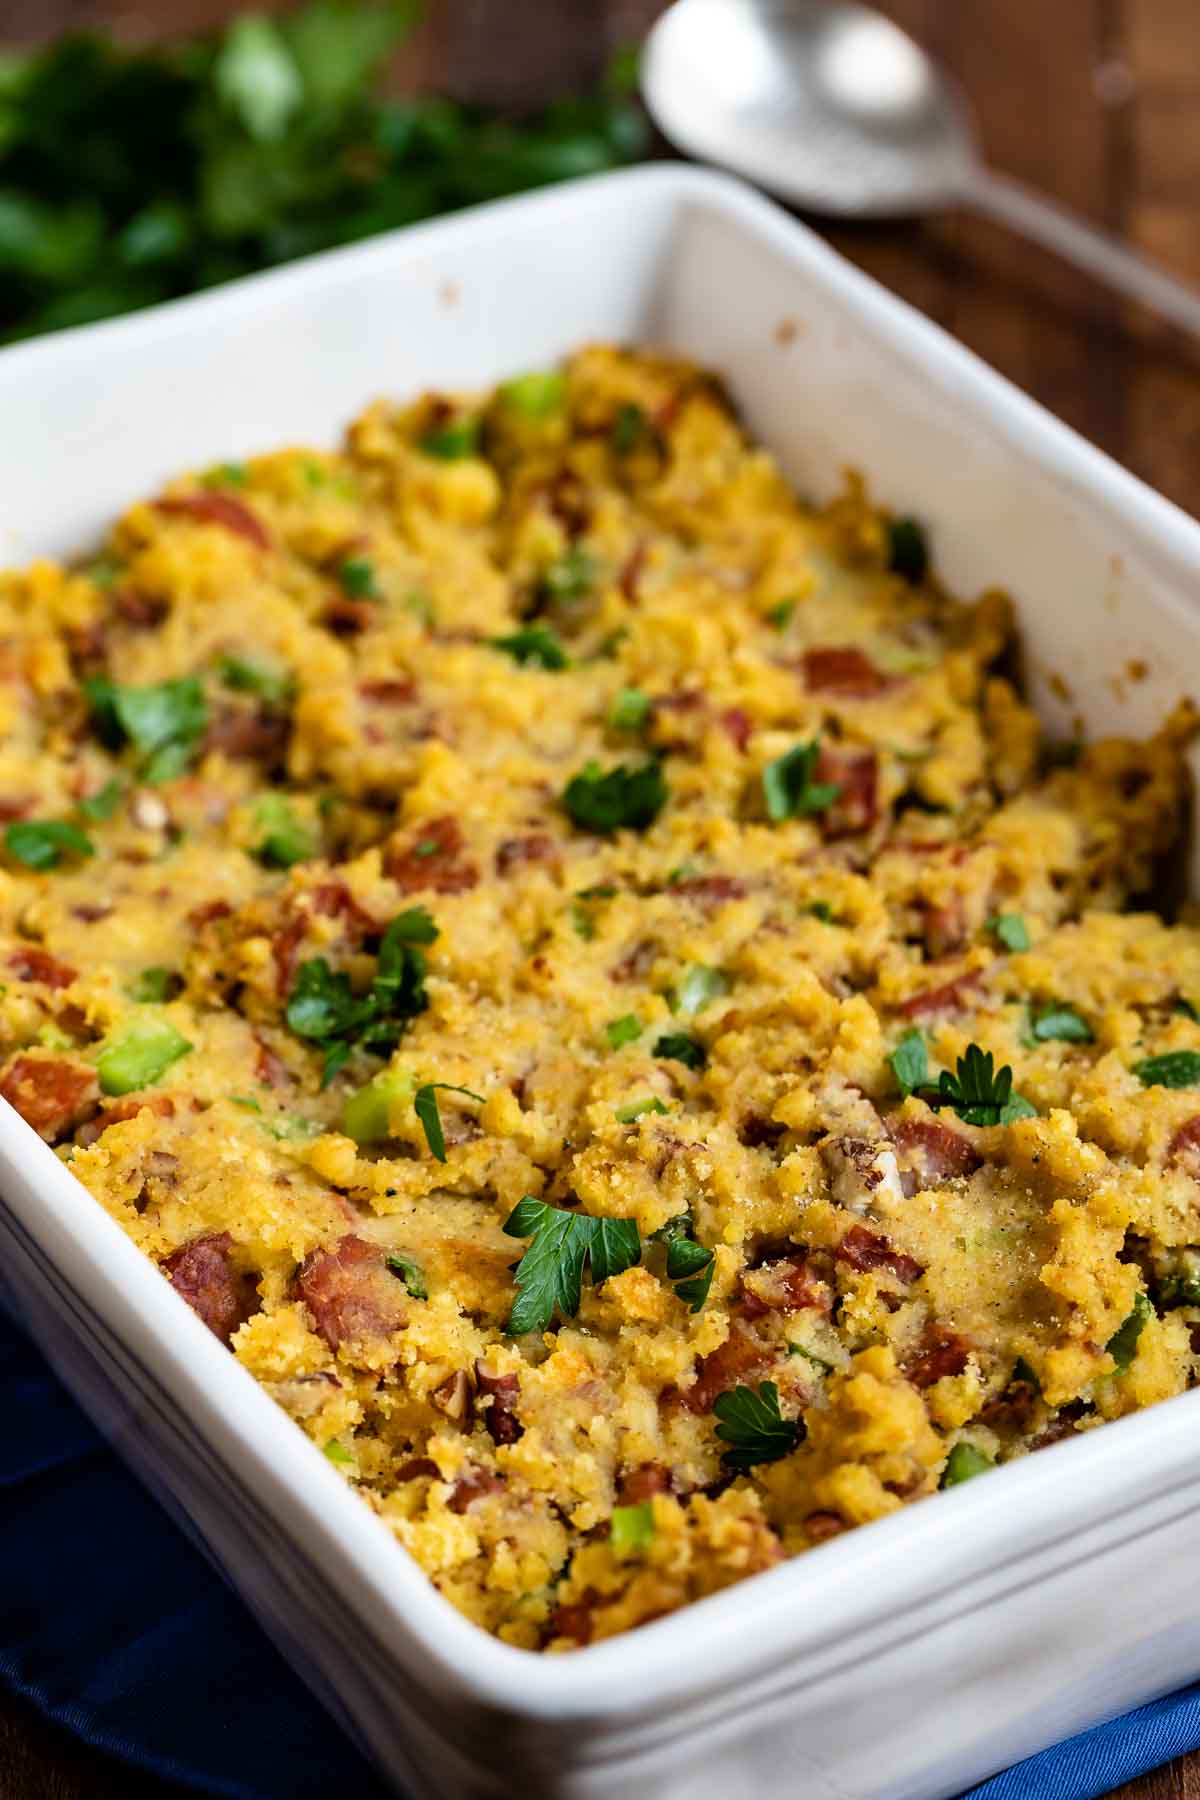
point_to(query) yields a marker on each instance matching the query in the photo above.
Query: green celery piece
(963, 1464)
(1122, 1345)
(287, 838)
(138, 1053)
(633, 1109)
(538, 395)
(366, 1115)
(632, 1528)
(623, 1030)
(699, 988)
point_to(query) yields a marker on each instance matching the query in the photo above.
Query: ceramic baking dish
(919, 1653)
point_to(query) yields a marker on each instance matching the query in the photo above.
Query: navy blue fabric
(115, 1627)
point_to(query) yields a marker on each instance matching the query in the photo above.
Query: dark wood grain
(1094, 101)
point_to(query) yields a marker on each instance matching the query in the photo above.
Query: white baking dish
(917, 1654)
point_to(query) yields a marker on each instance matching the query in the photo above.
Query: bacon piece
(207, 911)
(113, 1112)
(737, 726)
(354, 1298)
(786, 1285)
(943, 1352)
(643, 1483)
(844, 671)
(867, 1250)
(30, 963)
(202, 1274)
(285, 949)
(333, 900)
(476, 1484)
(934, 1153)
(430, 860)
(513, 852)
(1183, 1151)
(500, 1417)
(567, 499)
(91, 915)
(758, 1133)
(87, 646)
(248, 734)
(1063, 1426)
(820, 1526)
(574, 1620)
(418, 1468)
(14, 806)
(51, 1095)
(856, 774)
(397, 691)
(631, 570)
(952, 996)
(1011, 1411)
(636, 963)
(142, 611)
(730, 1364)
(716, 888)
(218, 509)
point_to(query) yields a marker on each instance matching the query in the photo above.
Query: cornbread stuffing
(584, 972)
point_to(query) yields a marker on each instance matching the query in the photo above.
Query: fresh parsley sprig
(550, 1273)
(980, 1093)
(323, 1009)
(425, 1105)
(607, 802)
(165, 721)
(754, 1428)
(789, 790)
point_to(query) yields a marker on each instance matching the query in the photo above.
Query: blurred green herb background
(130, 176)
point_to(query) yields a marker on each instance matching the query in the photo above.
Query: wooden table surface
(1094, 101)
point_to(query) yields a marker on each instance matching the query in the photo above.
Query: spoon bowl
(832, 107)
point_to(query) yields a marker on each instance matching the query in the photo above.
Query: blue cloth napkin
(116, 1628)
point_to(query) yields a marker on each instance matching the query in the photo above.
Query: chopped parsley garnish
(908, 549)
(154, 985)
(550, 1273)
(622, 798)
(409, 1273)
(1184, 1008)
(425, 1105)
(689, 1264)
(818, 1362)
(102, 804)
(452, 442)
(788, 786)
(910, 1062)
(534, 644)
(1122, 1345)
(358, 578)
(623, 1030)
(538, 395)
(287, 838)
(820, 909)
(322, 1008)
(676, 1046)
(754, 1428)
(629, 710)
(42, 843)
(980, 1093)
(632, 1528)
(570, 576)
(1010, 930)
(629, 427)
(634, 1109)
(1062, 1023)
(963, 1464)
(274, 686)
(137, 1054)
(1174, 1069)
(699, 988)
(781, 616)
(165, 721)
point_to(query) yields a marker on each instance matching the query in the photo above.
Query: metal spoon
(831, 106)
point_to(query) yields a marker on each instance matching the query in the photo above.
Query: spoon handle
(1071, 237)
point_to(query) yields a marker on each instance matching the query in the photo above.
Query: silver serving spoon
(831, 106)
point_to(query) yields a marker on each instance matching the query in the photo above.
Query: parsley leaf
(1062, 1023)
(908, 550)
(247, 677)
(1184, 1008)
(104, 803)
(358, 578)
(689, 1264)
(1174, 1069)
(287, 838)
(165, 721)
(788, 786)
(425, 1105)
(629, 427)
(322, 1007)
(550, 1273)
(533, 644)
(453, 442)
(409, 1273)
(1010, 930)
(754, 1428)
(1122, 1345)
(676, 1046)
(781, 616)
(622, 798)
(980, 1093)
(910, 1062)
(42, 843)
